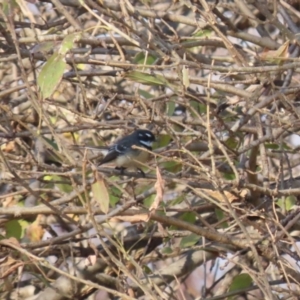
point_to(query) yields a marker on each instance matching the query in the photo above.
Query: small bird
(124, 155)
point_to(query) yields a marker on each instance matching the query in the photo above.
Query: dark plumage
(122, 152)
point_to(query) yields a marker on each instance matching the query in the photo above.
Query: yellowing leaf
(51, 74)
(101, 194)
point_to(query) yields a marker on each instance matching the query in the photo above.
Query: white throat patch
(146, 143)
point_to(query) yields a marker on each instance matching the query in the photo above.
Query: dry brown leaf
(8, 147)
(159, 186)
(35, 231)
(100, 193)
(90, 260)
(276, 56)
(8, 265)
(243, 193)
(133, 219)
(220, 196)
(161, 229)
(12, 241)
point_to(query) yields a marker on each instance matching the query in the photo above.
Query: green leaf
(202, 33)
(286, 146)
(229, 176)
(189, 241)
(101, 195)
(47, 178)
(240, 282)
(145, 94)
(172, 166)
(15, 228)
(167, 250)
(149, 200)
(51, 75)
(220, 216)
(51, 142)
(145, 78)
(287, 203)
(147, 270)
(114, 196)
(170, 108)
(232, 143)
(68, 43)
(189, 217)
(64, 187)
(142, 59)
(272, 146)
(164, 140)
(9, 6)
(176, 201)
(198, 107)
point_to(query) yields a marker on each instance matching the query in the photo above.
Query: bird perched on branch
(124, 154)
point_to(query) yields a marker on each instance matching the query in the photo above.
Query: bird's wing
(113, 153)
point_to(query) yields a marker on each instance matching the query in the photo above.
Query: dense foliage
(216, 215)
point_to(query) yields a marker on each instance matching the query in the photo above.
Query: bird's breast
(133, 159)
